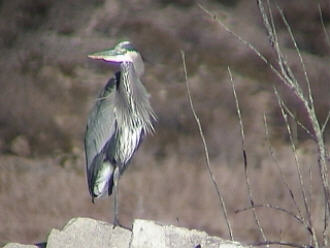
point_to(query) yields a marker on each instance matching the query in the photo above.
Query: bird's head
(122, 52)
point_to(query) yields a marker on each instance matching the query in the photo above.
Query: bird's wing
(101, 123)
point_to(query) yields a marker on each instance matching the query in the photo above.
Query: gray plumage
(119, 120)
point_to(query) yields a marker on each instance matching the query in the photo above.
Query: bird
(118, 122)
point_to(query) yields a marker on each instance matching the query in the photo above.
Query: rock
(85, 232)
(149, 234)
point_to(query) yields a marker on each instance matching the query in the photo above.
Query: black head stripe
(128, 46)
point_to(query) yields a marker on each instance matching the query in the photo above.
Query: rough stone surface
(85, 232)
(149, 234)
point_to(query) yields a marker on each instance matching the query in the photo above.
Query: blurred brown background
(48, 85)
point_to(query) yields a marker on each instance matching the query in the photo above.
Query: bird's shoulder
(102, 113)
(111, 86)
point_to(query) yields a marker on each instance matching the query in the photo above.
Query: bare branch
(267, 205)
(208, 164)
(280, 243)
(267, 25)
(300, 177)
(285, 75)
(286, 71)
(283, 179)
(325, 122)
(297, 121)
(248, 44)
(310, 96)
(247, 180)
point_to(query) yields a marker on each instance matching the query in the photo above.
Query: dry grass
(37, 195)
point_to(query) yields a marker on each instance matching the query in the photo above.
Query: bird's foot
(117, 224)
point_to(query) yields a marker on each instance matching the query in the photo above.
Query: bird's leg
(115, 197)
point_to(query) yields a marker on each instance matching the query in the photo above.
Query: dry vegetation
(48, 85)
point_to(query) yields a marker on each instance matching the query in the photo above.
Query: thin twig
(286, 72)
(247, 180)
(266, 23)
(283, 75)
(267, 205)
(297, 121)
(283, 179)
(310, 190)
(300, 177)
(325, 123)
(208, 164)
(280, 243)
(245, 42)
(310, 96)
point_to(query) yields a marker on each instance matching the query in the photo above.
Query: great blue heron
(120, 118)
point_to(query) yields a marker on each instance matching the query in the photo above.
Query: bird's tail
(100, 177)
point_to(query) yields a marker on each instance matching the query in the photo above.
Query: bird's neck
(133, 98)
(130, 85)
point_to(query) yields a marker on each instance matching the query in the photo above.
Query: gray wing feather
(101, 123)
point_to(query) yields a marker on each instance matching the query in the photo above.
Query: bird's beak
(111, 55)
